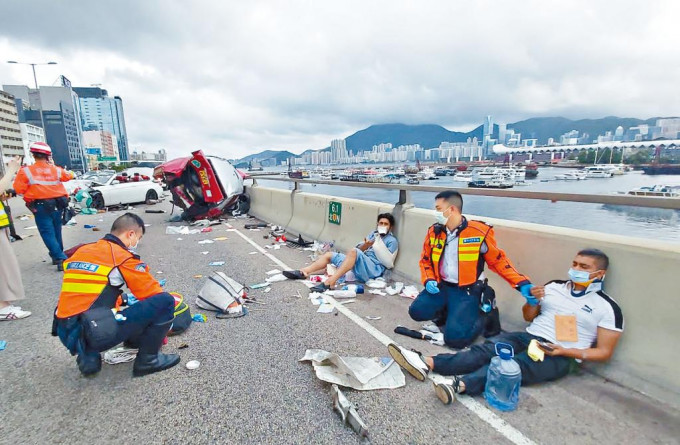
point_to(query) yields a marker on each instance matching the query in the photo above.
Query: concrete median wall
(644, 275)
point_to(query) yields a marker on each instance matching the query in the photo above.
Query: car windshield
(99, 178)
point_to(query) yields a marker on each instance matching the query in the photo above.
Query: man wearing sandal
(363, 259)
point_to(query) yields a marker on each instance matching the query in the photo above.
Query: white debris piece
(206, 241)
(395, 289)
(376, 292)
(180, 230)
(326, 308)
(378, 283)
(276, 278)
(410, 292)
(274, 272)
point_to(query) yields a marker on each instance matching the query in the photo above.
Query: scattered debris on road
(348, 412)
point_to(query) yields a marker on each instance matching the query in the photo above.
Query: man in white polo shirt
(571, 319)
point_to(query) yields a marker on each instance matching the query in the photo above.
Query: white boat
(486, 173)
(427, 174)
(578, 175)
(666, 191)
(595, 171)
(463, 176)
(616, 169)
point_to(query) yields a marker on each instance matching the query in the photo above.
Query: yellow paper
(565, 328)
(535, 352)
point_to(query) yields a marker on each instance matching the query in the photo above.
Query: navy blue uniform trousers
(48, 219)
(473, 364)
(463, 319)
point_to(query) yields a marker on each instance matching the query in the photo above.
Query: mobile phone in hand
(545, 346)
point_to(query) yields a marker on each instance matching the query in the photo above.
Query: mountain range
(431, 135)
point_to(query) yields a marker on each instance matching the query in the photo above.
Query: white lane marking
(508, 431)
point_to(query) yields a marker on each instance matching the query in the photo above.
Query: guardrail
(623, 200)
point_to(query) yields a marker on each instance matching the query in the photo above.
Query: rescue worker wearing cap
(88, 319)
(452, 270)
(45, 196)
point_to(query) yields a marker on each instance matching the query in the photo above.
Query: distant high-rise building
(502, 131)
(11, 142)
(61, 114)
(100, 112)
(487, 141)
(670, 128)
(338, 150)
(102, 144)
(30, 134)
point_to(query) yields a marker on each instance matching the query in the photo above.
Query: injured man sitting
(570, 320)
(367, 260)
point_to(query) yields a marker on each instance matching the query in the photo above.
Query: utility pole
(35, 80)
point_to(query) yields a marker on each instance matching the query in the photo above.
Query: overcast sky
(237, 77)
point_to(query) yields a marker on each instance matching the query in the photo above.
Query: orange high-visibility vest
(41, 181)
(86, 277)
(470, 259)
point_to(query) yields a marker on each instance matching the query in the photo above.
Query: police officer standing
(88, 319)
(45, 195)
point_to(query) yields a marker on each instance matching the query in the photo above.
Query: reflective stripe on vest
(469, 250)
(437, 248)
(33, 181)
(4, 218)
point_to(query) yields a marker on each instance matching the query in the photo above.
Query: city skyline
(251, 76)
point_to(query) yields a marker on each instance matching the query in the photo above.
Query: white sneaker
(12, 313)
(411, 361)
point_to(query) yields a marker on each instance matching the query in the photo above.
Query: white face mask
(382, 230)
(134, 248)
(441, 219)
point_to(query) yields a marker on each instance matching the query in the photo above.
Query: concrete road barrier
(643, 276)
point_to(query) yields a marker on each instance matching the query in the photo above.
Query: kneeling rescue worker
(88, 320)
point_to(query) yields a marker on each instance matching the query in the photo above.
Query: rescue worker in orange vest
(45, 196)
(456, 296)
(88, 318)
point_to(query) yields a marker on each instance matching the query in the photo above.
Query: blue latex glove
(525, 290)
(431, 287)
(131, 300)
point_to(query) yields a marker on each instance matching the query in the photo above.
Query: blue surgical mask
(580, 276)
(441, 219)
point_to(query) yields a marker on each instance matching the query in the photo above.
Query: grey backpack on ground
(222, 294)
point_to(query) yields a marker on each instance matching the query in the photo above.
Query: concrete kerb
(642, 361)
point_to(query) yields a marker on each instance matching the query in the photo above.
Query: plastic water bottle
(503, 379)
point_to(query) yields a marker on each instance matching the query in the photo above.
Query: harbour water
(660, 224)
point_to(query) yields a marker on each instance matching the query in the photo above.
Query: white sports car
(112, 189)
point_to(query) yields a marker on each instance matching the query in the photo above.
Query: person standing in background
(45, 196)
(11, 287)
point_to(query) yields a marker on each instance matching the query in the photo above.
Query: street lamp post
(35, 80)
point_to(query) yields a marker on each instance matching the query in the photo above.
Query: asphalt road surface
(250, 387)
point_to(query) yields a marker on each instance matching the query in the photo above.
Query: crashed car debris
(202, 186)
(107, 188)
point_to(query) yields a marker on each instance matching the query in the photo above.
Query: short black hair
(126, 222)
(41, 156)
(387, 216)
(601, 258)
(452, 197)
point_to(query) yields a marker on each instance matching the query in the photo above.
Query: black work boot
(149, 358)
(89, 363)
(60, 266)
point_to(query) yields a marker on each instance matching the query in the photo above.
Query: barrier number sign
(334, 212)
